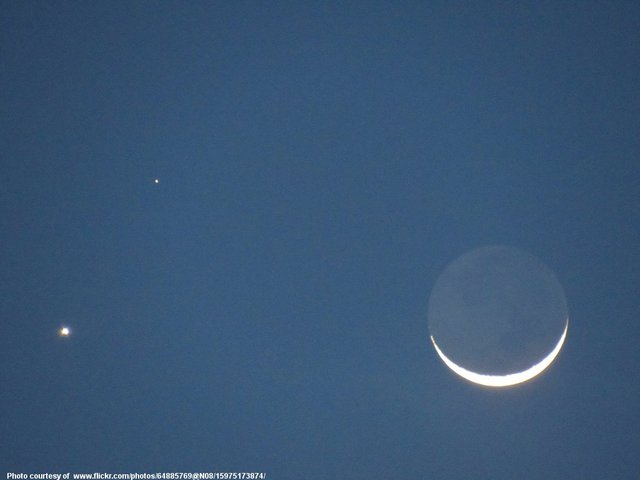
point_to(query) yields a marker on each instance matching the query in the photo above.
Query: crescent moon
(504, 380)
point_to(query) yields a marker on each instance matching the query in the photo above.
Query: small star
(156, 181)
(65, 332)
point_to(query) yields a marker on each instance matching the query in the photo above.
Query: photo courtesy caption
(140, 476)
(38, 476)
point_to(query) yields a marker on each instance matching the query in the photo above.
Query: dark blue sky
(263, 308)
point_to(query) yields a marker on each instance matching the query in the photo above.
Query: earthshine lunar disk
(497, 316)
(504, 380)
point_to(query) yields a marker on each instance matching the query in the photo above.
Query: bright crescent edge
(504, 380)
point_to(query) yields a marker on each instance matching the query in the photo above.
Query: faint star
(157, 180)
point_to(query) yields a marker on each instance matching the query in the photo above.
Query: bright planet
(497, 316)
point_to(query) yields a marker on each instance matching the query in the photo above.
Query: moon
(497, 316)
(504, 380)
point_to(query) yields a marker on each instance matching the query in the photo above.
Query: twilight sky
(263, 307)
